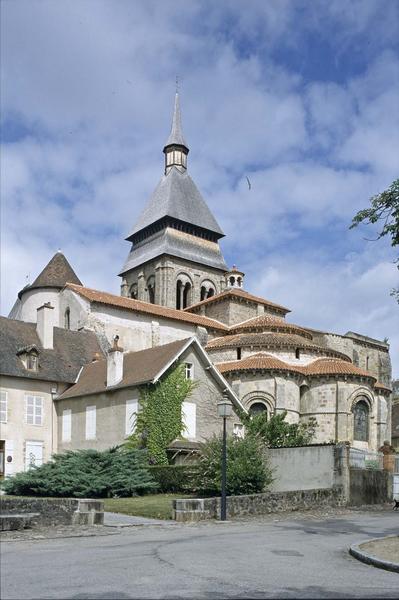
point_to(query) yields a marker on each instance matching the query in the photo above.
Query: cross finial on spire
(177, 84)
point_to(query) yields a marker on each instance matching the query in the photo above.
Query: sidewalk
(380, 552)
(120, 520)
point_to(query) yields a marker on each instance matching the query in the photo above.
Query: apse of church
(175, 258)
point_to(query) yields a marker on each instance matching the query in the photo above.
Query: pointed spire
(55, 274)
(176, 133)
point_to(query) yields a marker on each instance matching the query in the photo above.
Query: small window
(91, 422)
(3, 406)
(238, 353)
(189, 370)
(67, 319)
(367, 363)
(297, 353)
(34, 410)
(33, 454)
(257, 408)
(32, 362)
(132, 407)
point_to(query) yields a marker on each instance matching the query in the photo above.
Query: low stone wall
(369, 486)
(257, 504)
(55, 511)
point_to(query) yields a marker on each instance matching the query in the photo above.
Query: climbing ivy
(159, 420)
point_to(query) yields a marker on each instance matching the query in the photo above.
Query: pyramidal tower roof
(55, 274)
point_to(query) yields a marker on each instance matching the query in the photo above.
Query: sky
(300, 97)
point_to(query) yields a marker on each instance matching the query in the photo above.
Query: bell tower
(175, 259)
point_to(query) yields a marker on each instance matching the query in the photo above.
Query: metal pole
(224, 460)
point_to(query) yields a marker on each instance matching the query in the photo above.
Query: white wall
(32, 299)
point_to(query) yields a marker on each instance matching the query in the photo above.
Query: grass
(156, 506)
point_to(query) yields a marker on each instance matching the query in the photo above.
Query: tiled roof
(56, 274)
(271, 340)
(270, 323)
(145, 307)
(321, 366)
(138, 368)
(380, 386)
(240, 295)
(72, 349)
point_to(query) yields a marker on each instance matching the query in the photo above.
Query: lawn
(157, 506)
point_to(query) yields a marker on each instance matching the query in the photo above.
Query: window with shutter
(3, 406)
(189, 414)
(90, 422)
(66, 425)
(131, 416)
(33, 454)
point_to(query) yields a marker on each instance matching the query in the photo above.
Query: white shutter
(3, 406)
(66, 425)
(90, 422)
(33, 454)
(189, 414)
(131, 416)
(9, 452)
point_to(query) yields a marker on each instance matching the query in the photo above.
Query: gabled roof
(72, 349)
(176, 136)
(142, 367)
(55, 274)
(236, 294)
(177, 196)
(145, 307)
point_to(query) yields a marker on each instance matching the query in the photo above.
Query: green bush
(276, 432)
(86, 473)
(173, 478)
(248, 471)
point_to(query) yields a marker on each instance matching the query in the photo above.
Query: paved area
(119, 520)
(279, 556)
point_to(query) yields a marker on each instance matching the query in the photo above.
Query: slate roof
(235, 293)
(177, 196)
(145, 307)
(72, 349)
(320, 366)
(175, 243)
(271, 340)
(138, 368)
(176, 133)
(55, 274)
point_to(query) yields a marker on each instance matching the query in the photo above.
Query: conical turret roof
(55, 274)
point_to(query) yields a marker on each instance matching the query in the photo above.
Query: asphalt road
(289, 558)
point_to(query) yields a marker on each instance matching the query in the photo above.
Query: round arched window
(361, 421)
(257, 408)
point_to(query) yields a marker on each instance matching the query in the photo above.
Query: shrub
(276, 432)
(248, 471)
(86, 473)
(173, 478)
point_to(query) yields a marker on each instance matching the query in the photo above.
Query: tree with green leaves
(160, 420)
(276, 432)
(384, 211)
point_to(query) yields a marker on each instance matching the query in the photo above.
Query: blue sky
(301, 97)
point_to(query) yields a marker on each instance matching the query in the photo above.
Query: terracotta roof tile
(380, 386)
(321, 366)
(271, 340)
(145, 307)
(241, 295)
(269, 323)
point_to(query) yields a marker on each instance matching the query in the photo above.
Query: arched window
(203, 293)
(151, 289)
(238, 353)
(297, 353)
(67, 319)
(257, 408)
(239, 281)
(211, 292)
(133, 292)
(232, 281)
(179, 295)
(187, 295)
(361, 421)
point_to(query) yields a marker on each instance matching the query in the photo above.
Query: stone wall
(257, 504)
(369, 486)
(56, 511)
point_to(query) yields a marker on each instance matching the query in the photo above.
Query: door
(34, 454)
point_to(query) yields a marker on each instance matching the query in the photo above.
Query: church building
(176, 288)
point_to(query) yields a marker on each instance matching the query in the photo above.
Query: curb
(369, 559)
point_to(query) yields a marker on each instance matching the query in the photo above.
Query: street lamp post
(224, 410)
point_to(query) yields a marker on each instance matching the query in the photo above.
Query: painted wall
(303, 468)
(31, 300)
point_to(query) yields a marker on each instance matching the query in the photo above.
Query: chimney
(45, 325)
(114, 364)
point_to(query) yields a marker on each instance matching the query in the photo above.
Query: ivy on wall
(159, 420)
